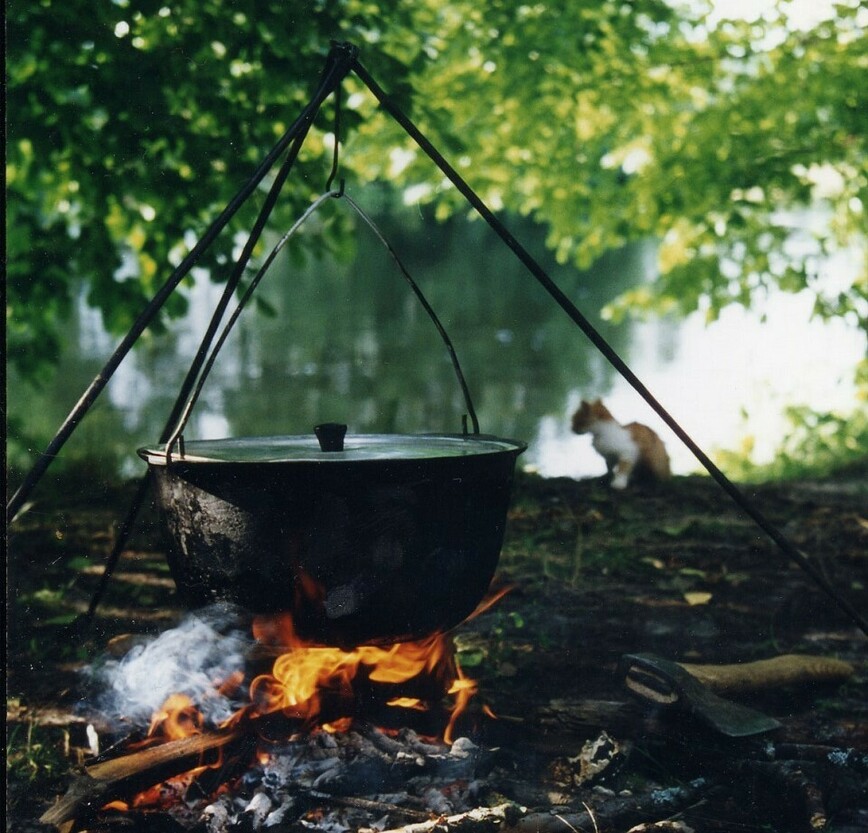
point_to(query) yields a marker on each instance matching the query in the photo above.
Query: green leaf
(470, 657)
(62, 619)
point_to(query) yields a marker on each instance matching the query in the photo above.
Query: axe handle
(781, 671)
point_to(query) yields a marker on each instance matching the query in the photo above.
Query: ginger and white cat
(632, 452)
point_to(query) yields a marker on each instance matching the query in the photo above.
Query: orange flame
(306, 673)
(303, 674)
(493, 597)
(177, 718)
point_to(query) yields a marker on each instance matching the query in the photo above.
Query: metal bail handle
(209, 363)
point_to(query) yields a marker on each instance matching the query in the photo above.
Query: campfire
(268, 731)
(326, 737)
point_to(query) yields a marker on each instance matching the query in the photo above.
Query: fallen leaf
(697, 598)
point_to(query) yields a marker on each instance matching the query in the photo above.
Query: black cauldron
(381, 539)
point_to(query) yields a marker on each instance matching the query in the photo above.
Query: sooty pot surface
(388, 538)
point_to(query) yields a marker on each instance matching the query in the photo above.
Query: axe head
(664, 682)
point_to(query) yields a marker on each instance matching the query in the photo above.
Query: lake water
(349, 343)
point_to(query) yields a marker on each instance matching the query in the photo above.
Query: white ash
(259, 808)
(343, 782)
(283, 812)
(463, 747)
(217, 816)
(194, 658)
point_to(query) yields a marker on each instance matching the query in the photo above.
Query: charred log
(108, 780)
(480, 820)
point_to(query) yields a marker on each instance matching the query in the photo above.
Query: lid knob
(330, 436)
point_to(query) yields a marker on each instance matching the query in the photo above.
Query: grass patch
(36, 759)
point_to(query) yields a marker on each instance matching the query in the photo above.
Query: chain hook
(337, 134)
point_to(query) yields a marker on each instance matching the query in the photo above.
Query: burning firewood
(349, 770)
(104, 781)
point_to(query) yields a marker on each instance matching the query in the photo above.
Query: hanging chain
(337, 134)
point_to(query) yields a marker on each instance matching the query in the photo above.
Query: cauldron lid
(358, 447)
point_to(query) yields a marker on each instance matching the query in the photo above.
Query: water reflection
(350, 343)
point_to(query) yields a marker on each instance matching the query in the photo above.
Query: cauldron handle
(185, 415)
(176, 433)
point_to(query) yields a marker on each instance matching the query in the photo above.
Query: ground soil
(677, 571)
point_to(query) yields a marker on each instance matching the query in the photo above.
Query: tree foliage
(132, 122)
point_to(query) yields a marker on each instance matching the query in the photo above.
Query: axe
(697, 688)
